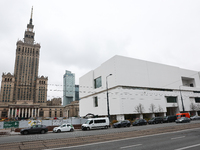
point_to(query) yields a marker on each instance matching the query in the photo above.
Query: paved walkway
(7, 132)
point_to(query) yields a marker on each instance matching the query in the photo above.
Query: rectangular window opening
(171, 99)
(95, 101)
(97, 82)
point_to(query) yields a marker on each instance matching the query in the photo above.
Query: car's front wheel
(58, 131)
(71, 130)
(42, 131)
(25, 132)
(128, 125)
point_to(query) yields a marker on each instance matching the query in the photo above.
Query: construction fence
(29, 123)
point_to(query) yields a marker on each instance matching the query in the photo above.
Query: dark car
(139, 122)
(169, 119)
(125, 123)
(35, 129)
(183, 120)
(155, 120)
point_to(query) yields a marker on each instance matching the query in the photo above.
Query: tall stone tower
(26, 65)
(25, 86)
(24, 94)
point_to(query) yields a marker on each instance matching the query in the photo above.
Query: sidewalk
(7, 132)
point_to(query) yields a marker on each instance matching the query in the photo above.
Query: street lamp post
(108, 97)
(181, 99)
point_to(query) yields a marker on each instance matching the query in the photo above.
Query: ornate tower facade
(24, 93)
(26, 67)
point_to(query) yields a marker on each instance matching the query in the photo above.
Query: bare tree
(139, 108)
(160, 109)
(198, 106)
(152, 108)
(193, 107)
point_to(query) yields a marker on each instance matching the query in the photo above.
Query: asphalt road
(178, 140)
(80, 133)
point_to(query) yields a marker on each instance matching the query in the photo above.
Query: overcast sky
(79, 35)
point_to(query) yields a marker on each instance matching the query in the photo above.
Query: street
(80, 133)
(126, 138)
(179, 140)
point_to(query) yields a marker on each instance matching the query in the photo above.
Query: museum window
(49, 113)
(97, 82)
(4, 113)
(55, 113)
(60, 113)
(95, 101)
(197, 99)
(171, 99)
(41, 113)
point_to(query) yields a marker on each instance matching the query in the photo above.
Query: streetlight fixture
(108, 97)
(181, 98)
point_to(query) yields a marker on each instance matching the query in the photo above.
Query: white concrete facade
(135, 82)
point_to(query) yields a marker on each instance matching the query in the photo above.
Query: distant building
(71, 110)
(54, 102)
(76, 92)
(68, 87)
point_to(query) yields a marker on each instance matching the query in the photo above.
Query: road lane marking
(120, 139)
(177, 137)
(130, 146)
(188, 147)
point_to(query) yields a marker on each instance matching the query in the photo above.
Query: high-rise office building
(68, 87)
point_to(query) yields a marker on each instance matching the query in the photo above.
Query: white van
(96, 123)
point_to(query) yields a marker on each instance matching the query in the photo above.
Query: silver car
(183, 120)
(195, 117)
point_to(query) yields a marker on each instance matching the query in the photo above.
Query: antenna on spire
(31, 16)
(32, 12)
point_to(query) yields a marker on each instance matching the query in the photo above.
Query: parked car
(64, 127)
(155, 120)
(125, 123)
(34, 129)
(139, 122)
(179, 115)
(169, 119)
(183, 120)
(195, 117)
(96, 123)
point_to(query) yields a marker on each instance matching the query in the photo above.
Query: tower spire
(31, 16)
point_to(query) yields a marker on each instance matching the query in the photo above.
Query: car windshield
(87, 122)
(63, 125)
(152, 119)
(165, 117)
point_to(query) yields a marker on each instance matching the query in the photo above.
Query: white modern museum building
(139, 89)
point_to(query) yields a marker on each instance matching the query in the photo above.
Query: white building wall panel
(132, 73)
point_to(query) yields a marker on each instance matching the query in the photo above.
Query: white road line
(130, 146)
(177, 137)
(121, 139)
(188, 147)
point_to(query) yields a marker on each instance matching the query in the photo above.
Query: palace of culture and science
(24, 93)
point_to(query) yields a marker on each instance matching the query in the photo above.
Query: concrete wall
(150, 79)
